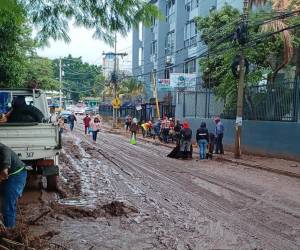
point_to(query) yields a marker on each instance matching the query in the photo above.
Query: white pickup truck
(38, 144)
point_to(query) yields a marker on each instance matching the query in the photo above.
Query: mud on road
(118, 196)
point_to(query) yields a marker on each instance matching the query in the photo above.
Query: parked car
(89, 110)
(79, 110)
(96, 110)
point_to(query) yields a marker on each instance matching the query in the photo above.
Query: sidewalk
(276, 165)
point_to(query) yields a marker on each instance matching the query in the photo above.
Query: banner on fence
(183, 80)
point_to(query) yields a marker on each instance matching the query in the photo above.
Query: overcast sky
(82, 44)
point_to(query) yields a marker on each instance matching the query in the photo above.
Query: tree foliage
(80, 79)
(217, 33)
(131, 87)
(39, 73)
(52, 18)
(15, 45)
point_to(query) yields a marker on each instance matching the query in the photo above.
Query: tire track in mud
(123, 150)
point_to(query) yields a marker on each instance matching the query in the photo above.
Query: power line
(283, 16)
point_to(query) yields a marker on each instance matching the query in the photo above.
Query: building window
(170, 12)
(190, 5)
(141, 31)
(141, 56)
(153, 47)
(190, 66)
(190, 34)
(170, 42)
(168, 71)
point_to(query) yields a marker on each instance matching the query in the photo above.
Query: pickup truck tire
(52, 183)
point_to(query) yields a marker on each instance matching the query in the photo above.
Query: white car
(79, 110)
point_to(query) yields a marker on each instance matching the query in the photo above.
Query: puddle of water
(79, 201)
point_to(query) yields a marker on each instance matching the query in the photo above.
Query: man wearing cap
(13, 176)
(186, 140)
(219, 136)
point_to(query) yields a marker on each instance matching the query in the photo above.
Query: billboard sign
(183, 80)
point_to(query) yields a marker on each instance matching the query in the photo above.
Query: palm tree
(278, 7)
(131, 88)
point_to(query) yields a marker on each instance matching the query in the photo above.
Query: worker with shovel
(13, 176)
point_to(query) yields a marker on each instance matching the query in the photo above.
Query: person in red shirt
(86, 122)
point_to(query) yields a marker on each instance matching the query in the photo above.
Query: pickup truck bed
(31, 141)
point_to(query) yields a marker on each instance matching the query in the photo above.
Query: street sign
(116, 102)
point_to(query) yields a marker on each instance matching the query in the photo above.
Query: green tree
(80, 79)
(15, 45)
(52, 18)
(265, 57)
(131, 87)
(39, 72)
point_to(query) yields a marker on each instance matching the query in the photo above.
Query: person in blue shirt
(219, 136)
(71, 120)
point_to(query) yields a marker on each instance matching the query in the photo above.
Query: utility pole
(240, 98)
(114, 77)
(60, 85)
(155, 94)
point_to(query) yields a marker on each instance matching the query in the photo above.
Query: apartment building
(171, 45)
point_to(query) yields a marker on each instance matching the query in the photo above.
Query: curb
(261, 167)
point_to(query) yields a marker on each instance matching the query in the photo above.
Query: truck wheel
(52, 181)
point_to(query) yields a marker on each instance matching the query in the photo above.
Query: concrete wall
(261, 137)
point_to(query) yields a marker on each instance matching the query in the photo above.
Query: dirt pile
(117, 208)
(111, 209)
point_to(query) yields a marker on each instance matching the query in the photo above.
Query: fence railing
(265, 102)
(146, 112)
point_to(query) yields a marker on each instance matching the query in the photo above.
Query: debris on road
(119, 196)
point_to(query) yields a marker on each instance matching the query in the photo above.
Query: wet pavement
(118, 196)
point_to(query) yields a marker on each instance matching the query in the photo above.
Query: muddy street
(118, 196)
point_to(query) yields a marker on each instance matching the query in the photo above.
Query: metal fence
(146, 112)
(270, 102)
(266, 102)
(200, 103)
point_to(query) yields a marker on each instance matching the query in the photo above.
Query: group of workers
(166, 130)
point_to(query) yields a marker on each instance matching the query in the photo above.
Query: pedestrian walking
(133, 129)
(86, 123)
(186, 140)
(13, 176)
(95, 125)
(202, 138)
(61, 124)
(219, 136)
(71, 120)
